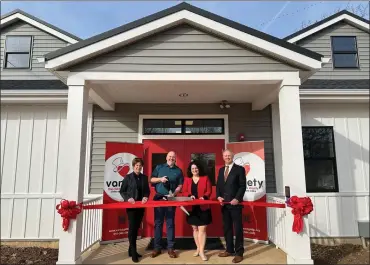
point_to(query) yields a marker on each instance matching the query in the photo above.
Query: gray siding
(182, 49)
(42, 43)
(321, 43)
(122, 125)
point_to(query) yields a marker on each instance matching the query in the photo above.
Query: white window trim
(38, 25)
(224, 136)
(175, 19)
(351, 19)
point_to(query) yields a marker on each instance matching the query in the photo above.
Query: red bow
(68, 210)
(300, 207)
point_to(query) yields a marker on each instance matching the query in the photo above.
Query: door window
(157, 159)
(208, 163)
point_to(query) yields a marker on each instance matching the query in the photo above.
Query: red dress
(199, 215)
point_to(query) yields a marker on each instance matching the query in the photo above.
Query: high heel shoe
(203, 257)
(196, 254)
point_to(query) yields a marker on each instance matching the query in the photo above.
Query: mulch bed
(342, 254)
(28, 255)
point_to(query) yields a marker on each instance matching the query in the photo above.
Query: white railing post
(73, 180)
(298, 246)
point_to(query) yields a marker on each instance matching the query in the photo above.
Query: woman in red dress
(198, 186)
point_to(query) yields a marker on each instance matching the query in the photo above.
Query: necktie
(226, 172)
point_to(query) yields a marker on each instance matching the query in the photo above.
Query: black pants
(232, 216)
(135, 216)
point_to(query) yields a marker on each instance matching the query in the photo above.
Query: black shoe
(135, 259)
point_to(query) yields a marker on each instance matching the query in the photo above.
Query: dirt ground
(28, 255)
(342, 254)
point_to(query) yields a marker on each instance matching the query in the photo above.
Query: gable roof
(182, 13)
(344, 15)
(18, 14)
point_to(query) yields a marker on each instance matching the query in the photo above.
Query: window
(17, 53)
(183, 126)
(319, 159)
(344, 52)
(208, 162)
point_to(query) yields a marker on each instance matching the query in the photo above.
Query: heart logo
(123, 170)
(247, 168)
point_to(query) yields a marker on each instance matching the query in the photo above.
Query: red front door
(209, 152)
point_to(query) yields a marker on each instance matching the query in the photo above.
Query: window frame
(344, 52)
(183, 126)
(29, 52)
(333, 159)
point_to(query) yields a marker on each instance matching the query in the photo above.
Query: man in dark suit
(231, 185)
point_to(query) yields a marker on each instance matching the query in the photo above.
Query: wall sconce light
(224, 105)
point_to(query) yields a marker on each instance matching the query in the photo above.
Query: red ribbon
(68, 210)
(300, 207)
(152, 204)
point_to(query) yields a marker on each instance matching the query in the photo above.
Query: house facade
(166, 77)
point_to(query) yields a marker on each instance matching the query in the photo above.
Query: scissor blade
(184, 210)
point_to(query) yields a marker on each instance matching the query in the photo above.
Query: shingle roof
(336, 84)
(32, 84)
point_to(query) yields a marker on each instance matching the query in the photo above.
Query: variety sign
(118, 159)
(251, 156)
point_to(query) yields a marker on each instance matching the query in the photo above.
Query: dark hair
(137, 160)
(199, 166)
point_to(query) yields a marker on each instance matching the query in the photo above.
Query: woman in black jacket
(135, 187)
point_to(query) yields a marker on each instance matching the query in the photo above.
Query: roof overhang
(343, 16)
(183, 13)
(18, 15)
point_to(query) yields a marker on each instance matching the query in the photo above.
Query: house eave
(346, 16)
(183, 13)
(19, 15)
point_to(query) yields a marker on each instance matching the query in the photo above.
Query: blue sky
(88, 18)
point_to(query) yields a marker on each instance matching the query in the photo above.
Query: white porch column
(298, 245)
(73, 181)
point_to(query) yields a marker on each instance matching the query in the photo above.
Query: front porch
(259, 90)
(276, 252)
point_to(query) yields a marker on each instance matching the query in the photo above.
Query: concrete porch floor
(117, 254)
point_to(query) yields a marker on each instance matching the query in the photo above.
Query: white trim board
(334, 95)
(175, 19)
(224, 136)
(34, 96)
(38, 25)
(346, 17)
(288, 78)
(61, 96)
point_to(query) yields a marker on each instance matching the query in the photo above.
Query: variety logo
(116, 168)
(255, 173)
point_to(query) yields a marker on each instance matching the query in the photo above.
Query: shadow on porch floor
(117, 254)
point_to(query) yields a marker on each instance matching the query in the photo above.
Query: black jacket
(129, 188)
(235, 185)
